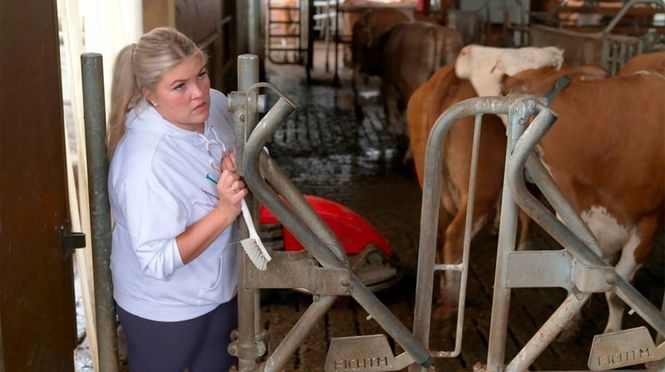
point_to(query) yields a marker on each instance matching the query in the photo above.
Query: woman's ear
(149, 96)
(147, 93)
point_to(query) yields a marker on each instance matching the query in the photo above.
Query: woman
(174, 197)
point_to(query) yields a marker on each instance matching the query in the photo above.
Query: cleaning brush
(253, 246)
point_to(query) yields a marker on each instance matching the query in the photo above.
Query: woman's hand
(229, 162)
(198, 236)
(230, 188)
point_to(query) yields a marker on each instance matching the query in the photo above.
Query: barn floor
(328, 153)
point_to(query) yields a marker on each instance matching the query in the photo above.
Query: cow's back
(644, 62)
(366, 31)
(412, 52)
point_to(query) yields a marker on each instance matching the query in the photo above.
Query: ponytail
(125, 95)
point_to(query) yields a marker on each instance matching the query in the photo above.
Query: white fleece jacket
(157, 187)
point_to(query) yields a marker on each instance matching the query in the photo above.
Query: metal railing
(327, 276)
(576, 268)
(611, 51)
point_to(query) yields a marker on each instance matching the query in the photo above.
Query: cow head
(485, 67)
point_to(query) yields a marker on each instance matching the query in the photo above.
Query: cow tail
(437, 51)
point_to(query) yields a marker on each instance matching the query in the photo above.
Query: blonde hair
(142, 65)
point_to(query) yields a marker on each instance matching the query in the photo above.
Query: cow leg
(391, 108)
(357, 82)
(525, 223)
(452, 254)
(632, 257)
(449, 282)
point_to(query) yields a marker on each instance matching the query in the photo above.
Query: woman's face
(182, 96)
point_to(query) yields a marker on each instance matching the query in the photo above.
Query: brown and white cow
(607, 154)
(649, 62)
(409, 54)
(431, 99)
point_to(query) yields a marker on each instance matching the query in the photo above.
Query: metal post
(507, 239)
(309, 11)
(548, 332)
(254, 26)
(300, 330)
(94, 115)
(244, 119)
(336, 76)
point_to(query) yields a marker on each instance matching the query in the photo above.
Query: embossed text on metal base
(621, 349)
(359, 353)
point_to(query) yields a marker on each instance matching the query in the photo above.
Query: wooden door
(37, 316)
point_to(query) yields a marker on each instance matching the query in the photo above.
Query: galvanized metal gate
(576, 268)
(323, 268)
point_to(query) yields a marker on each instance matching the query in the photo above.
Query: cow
(432, 98)
(370, 27)
(408, 55)
(606, 154)
(354, 11)
(654, 62)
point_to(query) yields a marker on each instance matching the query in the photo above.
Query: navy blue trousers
(199, 344)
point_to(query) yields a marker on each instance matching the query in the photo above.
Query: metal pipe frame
(283, 185)
(297, 334)
(560, 232)
(430, 214)
(246, 348)
(574, 235)
(254, 27)
(626, 7)
(263, 131)
(571, 305)
(517, 119)
(94, 115)
(468, 225)
(548, 332)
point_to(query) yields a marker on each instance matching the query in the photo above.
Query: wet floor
(328, 152)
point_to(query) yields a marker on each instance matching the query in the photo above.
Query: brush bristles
(256, 254)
